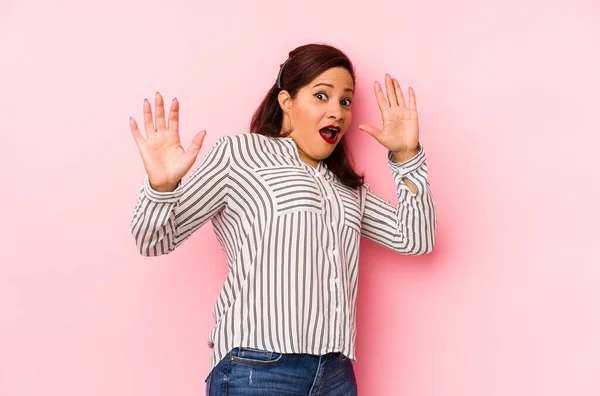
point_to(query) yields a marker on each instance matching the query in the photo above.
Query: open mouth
(330, 133)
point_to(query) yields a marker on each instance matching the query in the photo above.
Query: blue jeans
(253, 372)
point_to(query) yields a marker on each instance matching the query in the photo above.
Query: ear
(285, 101)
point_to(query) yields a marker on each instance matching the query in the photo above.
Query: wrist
(163, 187)
(404, 155)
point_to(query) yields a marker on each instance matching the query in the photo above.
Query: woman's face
(324, 102)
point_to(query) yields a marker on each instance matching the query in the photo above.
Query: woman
(288, 208)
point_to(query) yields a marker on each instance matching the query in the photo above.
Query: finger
(389, 88)
(196, 144)
(137, 136)
(371, 130)
(383, 105)
(174, 116)
(148, 124)
(412, 98)
(399, 94)
(159, 108)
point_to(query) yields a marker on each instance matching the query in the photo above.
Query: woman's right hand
(165, 160)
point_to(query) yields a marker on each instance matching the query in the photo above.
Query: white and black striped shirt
(291, 234)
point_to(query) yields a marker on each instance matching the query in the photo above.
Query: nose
(335, 111)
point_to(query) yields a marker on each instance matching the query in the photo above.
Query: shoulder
(245, 138)
(257, 143)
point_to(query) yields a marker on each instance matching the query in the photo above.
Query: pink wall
(508, 304)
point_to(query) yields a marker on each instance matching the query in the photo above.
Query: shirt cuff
(158, 196)
(409, 165)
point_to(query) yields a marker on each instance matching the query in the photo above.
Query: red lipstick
(330, 133)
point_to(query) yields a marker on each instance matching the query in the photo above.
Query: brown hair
(305, 64)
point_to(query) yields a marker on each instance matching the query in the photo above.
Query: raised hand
(165, 160)
(400, 131)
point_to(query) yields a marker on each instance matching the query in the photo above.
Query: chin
(321, 149)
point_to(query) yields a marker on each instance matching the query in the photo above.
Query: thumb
(196, 144)
(371, 130)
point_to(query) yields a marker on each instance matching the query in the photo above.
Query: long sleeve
(409, 227)
(163, 220)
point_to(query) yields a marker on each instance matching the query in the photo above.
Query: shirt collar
(321, 166)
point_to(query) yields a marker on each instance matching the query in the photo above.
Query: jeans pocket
(255, 356)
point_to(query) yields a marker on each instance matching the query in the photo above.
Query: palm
(165, 160)
(400, 130)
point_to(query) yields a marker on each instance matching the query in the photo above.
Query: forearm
(405, 156)
(164, 219)
(408, 227)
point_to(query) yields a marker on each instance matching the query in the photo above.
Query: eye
(320, 93)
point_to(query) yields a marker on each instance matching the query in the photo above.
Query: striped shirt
(291, 235)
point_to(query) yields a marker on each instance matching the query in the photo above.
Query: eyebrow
(331, 86)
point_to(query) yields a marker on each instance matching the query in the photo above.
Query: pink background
(508, 304)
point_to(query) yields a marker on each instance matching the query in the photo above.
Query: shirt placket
(331, 218)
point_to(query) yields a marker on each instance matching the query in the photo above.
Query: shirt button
(328, 198)
(337, 280)
(332, 224)
(337, 309)
(334, 252)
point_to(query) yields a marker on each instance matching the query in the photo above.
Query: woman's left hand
(400, 131)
